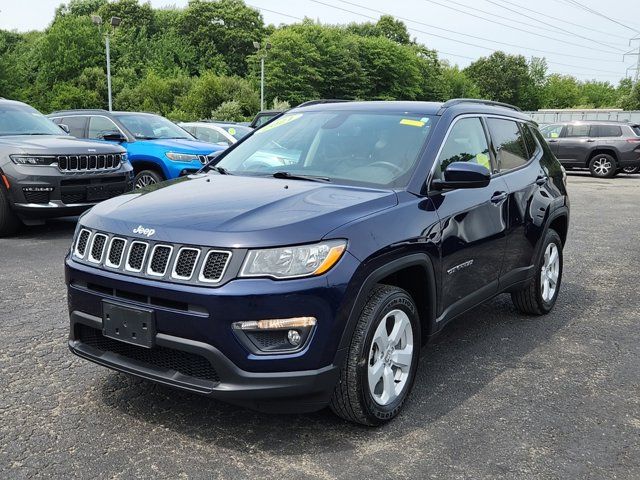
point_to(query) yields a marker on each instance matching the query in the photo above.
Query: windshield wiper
(295, 176)
(221, 170)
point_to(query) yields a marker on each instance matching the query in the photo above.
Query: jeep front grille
(161, 261)
(89, 163)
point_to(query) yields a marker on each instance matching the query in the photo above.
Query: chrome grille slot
(185, 263)
(116, 252)
(214, 266)
(136, 257)
(82, 242)
(97, 248)
(159, 260)
(84, 163)
(93, 162)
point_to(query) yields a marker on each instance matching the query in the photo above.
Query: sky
(573, 35)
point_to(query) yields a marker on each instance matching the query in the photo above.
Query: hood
(55, 145)
(238, 212)
(181, 145)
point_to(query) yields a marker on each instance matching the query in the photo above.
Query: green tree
(456, 84)
(561, 91)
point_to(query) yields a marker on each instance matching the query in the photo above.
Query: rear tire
(380, 368)
(602, 166)
(146, 178)
(9, 222)
(537, 298)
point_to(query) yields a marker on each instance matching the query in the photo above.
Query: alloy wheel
(550, 272)
(145, 180)
(390, 357)
(602, 166)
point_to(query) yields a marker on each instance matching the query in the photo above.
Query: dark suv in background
(310, 265)
(605, 148)
(46, 173)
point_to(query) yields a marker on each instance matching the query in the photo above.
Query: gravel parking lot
(498, 395)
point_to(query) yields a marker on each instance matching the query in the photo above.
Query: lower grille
(36, 197)
(188, 364)
(73, 197)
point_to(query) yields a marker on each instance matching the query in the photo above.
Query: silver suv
(605, 148)
(44, 172)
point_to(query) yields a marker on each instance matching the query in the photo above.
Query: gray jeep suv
(605, 148)
(44, 172)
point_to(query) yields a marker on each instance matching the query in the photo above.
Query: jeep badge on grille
(140, 230)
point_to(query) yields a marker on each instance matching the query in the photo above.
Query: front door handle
(590, 140)
(552, 141)
(541, 180)
(499, 197)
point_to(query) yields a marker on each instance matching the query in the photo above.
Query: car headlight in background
(181, 157)
(34, 159)
(293, 262)
(124, 158)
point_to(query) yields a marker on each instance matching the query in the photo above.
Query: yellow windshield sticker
(279, 122)
(232, 131)
(483, 159)
(412, 123)
(555, 134)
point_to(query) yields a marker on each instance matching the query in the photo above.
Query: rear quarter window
(602, 131)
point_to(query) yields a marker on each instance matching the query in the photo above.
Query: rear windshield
(379, 149)
(17, 119)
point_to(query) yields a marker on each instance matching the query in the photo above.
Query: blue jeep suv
(314, 261)
(158, 148)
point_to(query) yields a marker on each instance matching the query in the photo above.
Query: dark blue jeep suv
(312, 262)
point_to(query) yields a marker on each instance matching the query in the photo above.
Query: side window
(529, 140)
(508, 142)
(466, 142)
(77, 125)
(210, 135)
(100, 126)
(606, 131)
(578, 130)
(551, 131)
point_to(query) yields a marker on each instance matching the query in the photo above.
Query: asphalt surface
(498, 395)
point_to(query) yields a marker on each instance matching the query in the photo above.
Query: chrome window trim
(174, 274)
(107, 262)
(76, 253)
(224, 270)
(91, 258)
(166, 267)
(144, 258)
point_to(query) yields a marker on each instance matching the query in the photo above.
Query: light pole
(114, 21)
(258, 47)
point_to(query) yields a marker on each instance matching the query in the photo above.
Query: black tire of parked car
(530, 300)
(9, 222)
(602, 166)
(352, 399)
(631, 170)
(147, 177)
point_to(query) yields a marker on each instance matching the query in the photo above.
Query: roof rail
(320, 101)
(80, 110)
(457, 101)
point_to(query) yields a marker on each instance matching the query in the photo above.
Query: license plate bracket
(133, 325)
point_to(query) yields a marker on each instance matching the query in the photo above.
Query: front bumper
(195, 320)
(45, 192)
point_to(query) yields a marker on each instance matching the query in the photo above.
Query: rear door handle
(590, 140)
(552, 141)
(541, 180)
(499, 197)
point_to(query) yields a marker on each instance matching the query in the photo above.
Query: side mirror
(114, 137)
(64, 127)
(463, 175)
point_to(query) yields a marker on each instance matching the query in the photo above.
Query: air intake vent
(185, 263)
(215, 263)
(81, 244)
(116, 251)
(97, 248)
(159, 260)
(137, 254)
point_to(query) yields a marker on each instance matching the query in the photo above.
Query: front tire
(602, 166)
(379, 371)
(540, 295)
(146, 178)
(9, 222)
(631, 170)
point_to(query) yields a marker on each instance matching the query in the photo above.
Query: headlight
(293, 262)
(34, 159)
(124, 158)
(181, 157)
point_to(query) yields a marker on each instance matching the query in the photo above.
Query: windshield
(17, 119)
(144, 126)
(236, 131)
(342, 146)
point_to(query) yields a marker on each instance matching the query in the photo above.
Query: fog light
(294, 337)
